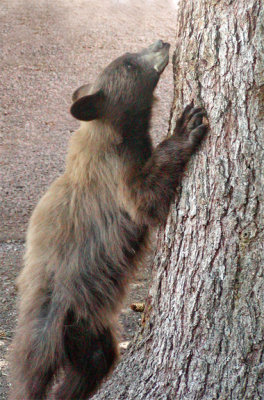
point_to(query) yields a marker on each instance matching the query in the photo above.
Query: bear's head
(124, 87)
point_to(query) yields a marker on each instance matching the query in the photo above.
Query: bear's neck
(87, 151)
(97, 142)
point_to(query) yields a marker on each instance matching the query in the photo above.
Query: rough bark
(203, 335)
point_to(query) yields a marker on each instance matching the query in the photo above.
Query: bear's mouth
(156, 55)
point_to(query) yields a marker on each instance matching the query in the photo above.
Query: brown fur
(88, 234)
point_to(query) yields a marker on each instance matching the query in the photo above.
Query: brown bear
(88, 233)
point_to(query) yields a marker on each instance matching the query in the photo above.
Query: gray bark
(203, 334)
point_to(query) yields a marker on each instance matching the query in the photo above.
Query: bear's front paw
(192, 126)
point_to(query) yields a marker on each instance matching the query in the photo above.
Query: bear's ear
(88, 107)
(81, 91)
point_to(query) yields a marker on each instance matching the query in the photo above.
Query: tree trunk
(203, 333)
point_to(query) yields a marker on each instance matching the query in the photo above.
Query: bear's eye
(129, 65)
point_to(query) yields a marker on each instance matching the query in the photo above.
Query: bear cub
(89, 232)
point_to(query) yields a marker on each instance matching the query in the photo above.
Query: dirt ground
(49, 48)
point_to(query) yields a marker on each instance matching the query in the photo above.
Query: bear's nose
(158, 44)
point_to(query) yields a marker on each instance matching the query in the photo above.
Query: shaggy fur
(88, 233)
